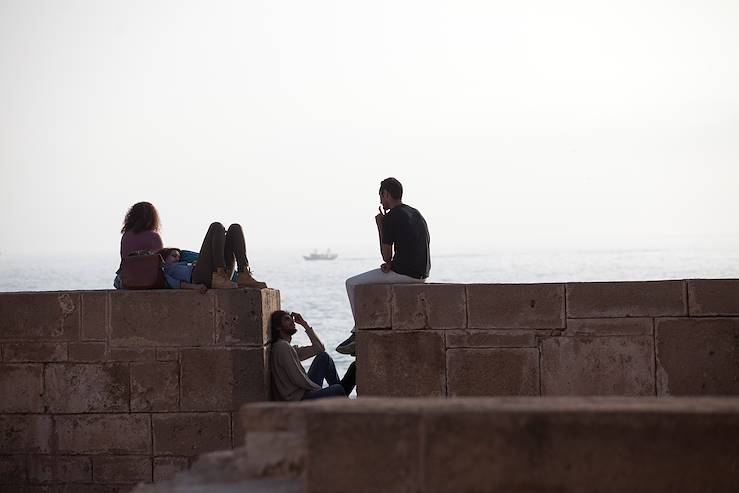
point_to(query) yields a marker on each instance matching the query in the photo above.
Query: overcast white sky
(538, 124)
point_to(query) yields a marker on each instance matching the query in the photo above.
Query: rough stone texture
(372, 306)
(239, 312)
(506, 306)
(132, 354)
(12, 469)
(400, 363)
(21, 388)
(122, 469)
(51, 316)
(597, 366)
(713, 297)
(626, 299)
(435, 306)
(490, 338)
(698, 356)
(222, 379)
(597, 327)
(95, 316)
(166, 467)
(25, 433)
(87, 351)
(34, 351)
(161, 318)
(103, 433)
(59, 469)
(387, 460)
(190, 434)
(167, 355)
(85, 388)
(155, 386)
(492, 371)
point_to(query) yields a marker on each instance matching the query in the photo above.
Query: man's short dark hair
(393, 187)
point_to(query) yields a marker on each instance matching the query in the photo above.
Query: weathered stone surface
(713, 297)
(95, 316)
(388, 459)
(490, 338)
(50, 316)
(132, 354)
(372, 308)
(12, 469)
(597, 366)
(21, 388)
(34, 351)
(25, 433)
(492, 371)
(596, 327)
(59, 469)
(435, 306)
(155, 386)
(166, 467)
(190, 434)
(698, 356)
(168, 354)
(626, 299)
(240, 312)
(84, 388)
(103, 433)
(395, 363)
(161, 318)
(87, 351)
(222, 379)
(513, 306)
(122, 468)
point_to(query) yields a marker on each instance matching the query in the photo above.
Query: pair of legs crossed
(323, 368)
(221, 249)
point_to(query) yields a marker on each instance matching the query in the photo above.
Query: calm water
(316, 289)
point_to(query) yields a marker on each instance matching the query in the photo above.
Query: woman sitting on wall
(140, 233)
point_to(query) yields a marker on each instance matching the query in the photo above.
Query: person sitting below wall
(214, 268)
(290, 382)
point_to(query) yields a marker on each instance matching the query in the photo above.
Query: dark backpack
(142, 270)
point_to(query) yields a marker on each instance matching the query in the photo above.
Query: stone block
(393, 363)
(191, 434)
(12, 469)
(372, 307)
(626, 299)
(132, 354)
(435, 306)
(95, 316)
(21, 388)
(222, 379)
(59, 469)
(597, 366)
(155, 386)
(242, 315)
(87, 351)
(165, 468)
(47, 316)
(122, 468)
(597, 327)
(39, 352)
(491, 338)
(388, 459)
(168, 355)
(713, 297)
(84, 388)
(103, 433)
(172, 317)
(25, 433)
(698, 356)
(492, 371)
(515, 306)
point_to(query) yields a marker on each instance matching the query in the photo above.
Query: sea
(316, 289)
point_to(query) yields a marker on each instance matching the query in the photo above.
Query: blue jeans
(323, 368)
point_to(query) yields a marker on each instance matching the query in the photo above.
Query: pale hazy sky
(537, 124)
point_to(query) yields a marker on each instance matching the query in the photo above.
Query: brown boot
(218, 280)
(245, 280)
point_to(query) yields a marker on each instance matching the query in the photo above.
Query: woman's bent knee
(216, 226)
(235, 227)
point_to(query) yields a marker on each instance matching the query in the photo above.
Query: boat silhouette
(327, 255)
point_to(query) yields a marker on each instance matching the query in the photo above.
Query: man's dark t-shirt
(406, 228)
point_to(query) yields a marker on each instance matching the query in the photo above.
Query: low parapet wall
(616, 338)
(102, 389)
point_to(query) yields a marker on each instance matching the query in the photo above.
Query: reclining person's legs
(211, 265)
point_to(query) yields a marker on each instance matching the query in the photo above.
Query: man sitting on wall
(403, 229)
(290, 382)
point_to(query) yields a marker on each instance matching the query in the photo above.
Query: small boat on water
(321, 256)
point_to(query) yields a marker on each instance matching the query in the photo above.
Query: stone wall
(616, 338)
(102, 389)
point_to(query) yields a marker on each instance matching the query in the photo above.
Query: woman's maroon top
(144, 240)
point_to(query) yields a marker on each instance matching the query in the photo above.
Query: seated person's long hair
(275, 320)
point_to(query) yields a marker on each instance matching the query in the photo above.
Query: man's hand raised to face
(299, 320)
(380, 217)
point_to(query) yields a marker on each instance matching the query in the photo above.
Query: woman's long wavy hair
(142, 216)
(275, 320)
